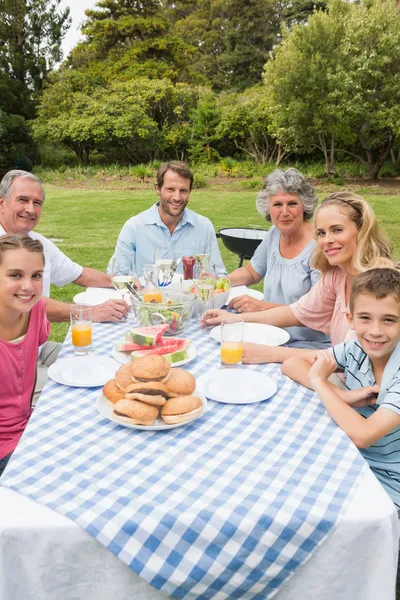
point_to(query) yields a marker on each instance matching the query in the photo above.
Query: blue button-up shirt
(384, 456)
(143, 233)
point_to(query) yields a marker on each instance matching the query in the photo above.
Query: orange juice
(231, 353)
(82, 334)
(152, 296)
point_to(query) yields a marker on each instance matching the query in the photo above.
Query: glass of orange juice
(81, 328)
(231, 343)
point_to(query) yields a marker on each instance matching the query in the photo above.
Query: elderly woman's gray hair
(292, 182)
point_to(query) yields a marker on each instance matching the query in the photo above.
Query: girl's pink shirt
(17, 377)
(324, 307)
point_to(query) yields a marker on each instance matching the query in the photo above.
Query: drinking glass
(81, 328)
(151, 291)
(231, 343)
(205, 286)
(123, 274)
(165, 258)
(202, 263)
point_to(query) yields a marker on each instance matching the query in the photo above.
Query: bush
(251, 184)
(199, 181)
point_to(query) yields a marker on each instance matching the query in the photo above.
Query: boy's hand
(324, 365)
(365, 396)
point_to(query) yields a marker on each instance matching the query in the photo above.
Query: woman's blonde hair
(373, 248)
(15, 241)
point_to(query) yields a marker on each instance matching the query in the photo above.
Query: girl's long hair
(373, 248)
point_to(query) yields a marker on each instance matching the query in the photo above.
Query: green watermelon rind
(144, 338)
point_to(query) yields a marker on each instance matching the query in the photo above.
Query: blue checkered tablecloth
(226, 507)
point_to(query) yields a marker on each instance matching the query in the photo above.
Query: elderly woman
(283, 257)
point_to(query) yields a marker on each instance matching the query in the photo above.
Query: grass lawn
(88, 221)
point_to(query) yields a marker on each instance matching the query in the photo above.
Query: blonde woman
(348, 242)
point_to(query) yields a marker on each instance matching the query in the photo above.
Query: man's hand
(323, 367)
(247, 304)
(112, 310)
(364, 396)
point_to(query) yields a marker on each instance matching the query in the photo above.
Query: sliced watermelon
(148, 336)
(178, 345)
(177, 356)
(130, 346)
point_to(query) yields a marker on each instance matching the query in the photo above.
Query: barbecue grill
(242, 241)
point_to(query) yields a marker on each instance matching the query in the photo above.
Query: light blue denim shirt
(142, 233)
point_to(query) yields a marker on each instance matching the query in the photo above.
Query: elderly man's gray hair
(8, 180)
(292, 182)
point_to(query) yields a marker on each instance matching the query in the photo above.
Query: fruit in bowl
(175, 310)
(220, 294)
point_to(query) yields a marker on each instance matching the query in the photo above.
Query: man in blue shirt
(168, 224)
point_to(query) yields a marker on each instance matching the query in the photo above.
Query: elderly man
(21, 202)
(168, 224)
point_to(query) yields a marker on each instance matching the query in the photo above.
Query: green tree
(134, 121)
(245, 119)
(299, 85)
(31, 32)
(125, 39)
(204, 122)
(367, 80)
(233, 38)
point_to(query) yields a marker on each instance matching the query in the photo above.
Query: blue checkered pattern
(226, 507)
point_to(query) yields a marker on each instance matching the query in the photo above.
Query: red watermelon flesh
(147, 336)
(177, 343)
(173, 345)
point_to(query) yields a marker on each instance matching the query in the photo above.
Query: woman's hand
(247, 304)
(213, 317)
(256, 354)
(323, 367)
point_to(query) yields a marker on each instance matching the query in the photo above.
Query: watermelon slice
(148, 336)
(177, 345)
(130, 346)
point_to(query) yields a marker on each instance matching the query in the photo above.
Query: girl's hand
(365, 396)
(323, 367)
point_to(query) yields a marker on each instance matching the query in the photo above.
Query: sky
(77, 11)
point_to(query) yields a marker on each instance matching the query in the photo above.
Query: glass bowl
(175, 309)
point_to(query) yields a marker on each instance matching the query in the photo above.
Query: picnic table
(249, 501)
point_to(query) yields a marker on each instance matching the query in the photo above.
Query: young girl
(23, 328)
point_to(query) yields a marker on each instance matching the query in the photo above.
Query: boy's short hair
(178, 167)
(377, 282)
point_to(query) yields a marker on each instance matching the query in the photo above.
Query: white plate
(83, 371)
(258, 333)
(93, 296)
(125, 357)
(236, 386)
(243, 290)
(106, 409)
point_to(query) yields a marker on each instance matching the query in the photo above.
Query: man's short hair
(377, 282)
(8, 180)
(178, 167)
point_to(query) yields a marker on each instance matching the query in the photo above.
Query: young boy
(372, 359)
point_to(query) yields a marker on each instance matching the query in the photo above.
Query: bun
(150, 368)
(137, 412)
(181, 409)
(180, 383)
(112, 392)
(123, 376)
